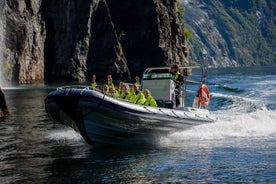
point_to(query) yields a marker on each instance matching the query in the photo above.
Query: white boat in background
(102, 119)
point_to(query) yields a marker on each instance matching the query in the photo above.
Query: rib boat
(100, 118)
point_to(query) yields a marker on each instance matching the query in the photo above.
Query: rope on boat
(147, 109)
(104, 94)
(197, 116)
(187, 115)
(67, 91)
(175, 114)
(200, 117)
(84, 89)
(164, 112)
(211, 118)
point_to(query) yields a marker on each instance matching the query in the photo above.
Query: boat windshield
(158, 76)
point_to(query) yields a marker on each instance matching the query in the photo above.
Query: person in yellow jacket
(125, 92)
(150, 101)
(94, 83)
(137, 81)
(178, 80)
(105, 89)
(137, 97)
(113, 92)
(120, 91)
(110, 81)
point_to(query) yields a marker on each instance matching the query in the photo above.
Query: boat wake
(239, 117)
(230, 89)
(235, 105)
(258, 124)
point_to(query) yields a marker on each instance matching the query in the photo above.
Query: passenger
(110, 81)
(94, 83)
(3, 106)
(138, 97)
(132, 92)
(150, 101)
(125, 92)
(120, 88)
(178, 80)
(137, 81)
(105, 89)
(113, 92)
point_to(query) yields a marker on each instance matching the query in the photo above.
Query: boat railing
(75, 87)
(166, 69)
(157, 76)
(193, 82)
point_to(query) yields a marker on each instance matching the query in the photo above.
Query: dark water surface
(239, 148)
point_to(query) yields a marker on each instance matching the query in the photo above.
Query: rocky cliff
(69, 40)
(229, 33)
(23, 37)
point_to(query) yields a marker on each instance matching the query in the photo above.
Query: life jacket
(176, 75)
(125, 96)
(139, 98)
(150, 101)
(110, 84)
(178, 81)
(94, 85)
(114, 94)
(138, 83)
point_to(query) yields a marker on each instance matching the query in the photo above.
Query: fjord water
(239, 148)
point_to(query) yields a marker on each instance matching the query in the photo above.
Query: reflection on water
(22, 134)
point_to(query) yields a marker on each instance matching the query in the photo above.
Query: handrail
(175, 114)
(167, 68)
(77, 86)
(193, 82)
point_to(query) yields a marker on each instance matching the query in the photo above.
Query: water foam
(250, 114)
(258, 124)
(63, 136)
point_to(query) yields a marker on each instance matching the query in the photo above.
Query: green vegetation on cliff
(244, 30)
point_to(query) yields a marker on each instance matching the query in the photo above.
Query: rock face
(230, 33)
(69, 40)
(151, 33)
(23, 34)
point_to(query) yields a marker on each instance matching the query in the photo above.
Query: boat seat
(168, 104)
(164, 103)
(160, 102)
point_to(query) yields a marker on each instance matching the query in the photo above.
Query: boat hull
(102, 119)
